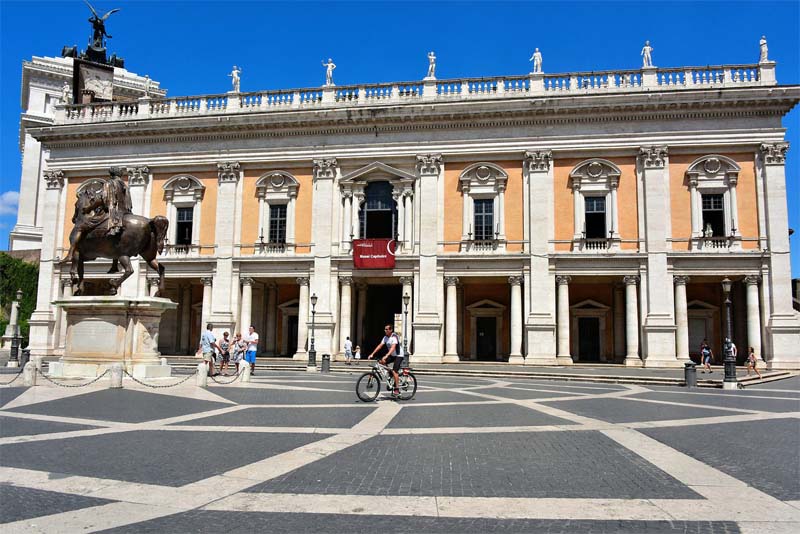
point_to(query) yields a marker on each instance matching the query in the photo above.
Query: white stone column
(577, 210)
(658, 297)
(694, 204)
(515, 353)
(247, 304)
(783, 326)
(186, 318)
(632, 358)
(358, 199)
(466, 217)
(323, 282)
(360, 313)
(451, 320)
(732, 182)
(428, 320)
(205, 313)
(290, 219)
(345, 312)
(681, 319)
(272, 319)
(619, 322)
(302, 320)
(66, 292)
(42, 321)
(225, 288)
(753, 315)
(563, 355)
(408, 234)
(501, 208)
(347, 220)
(540, 292)
(408, 289)
(397, 196)
(614, 211)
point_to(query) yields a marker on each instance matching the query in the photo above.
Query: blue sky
(190, 47)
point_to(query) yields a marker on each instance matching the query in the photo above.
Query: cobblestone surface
(522, 464)
(284, 396)
(13, 426)
(441, 396)
(288, 417)
(152, 456)
(743, 401)
(765, 454)
(18, 503)
(246, 522)
(115, 405)
(519, 394)
(626, 411)
(473, 416)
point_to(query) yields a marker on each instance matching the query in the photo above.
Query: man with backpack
(393, 354)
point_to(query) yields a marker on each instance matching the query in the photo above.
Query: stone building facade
(545, 219)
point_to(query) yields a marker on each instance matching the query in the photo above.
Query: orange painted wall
(303, 209)
(251, 228)
(514, 203)
(627, 204)
(453, 204)
(680, 201)
(747, 199)
(69, 210)
(562, 202)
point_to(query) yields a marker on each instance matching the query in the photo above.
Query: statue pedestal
(102, 330)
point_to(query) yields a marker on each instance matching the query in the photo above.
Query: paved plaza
(297, 452)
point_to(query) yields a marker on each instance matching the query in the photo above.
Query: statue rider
(115, 203)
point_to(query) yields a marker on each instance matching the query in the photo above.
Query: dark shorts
(707, 359)
(226, 356)
(397, 360)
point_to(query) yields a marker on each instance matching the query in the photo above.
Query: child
(357, 353)
(225, 353)
(705, 356)
(751, 362)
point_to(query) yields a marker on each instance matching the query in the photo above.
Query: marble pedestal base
(102, 330)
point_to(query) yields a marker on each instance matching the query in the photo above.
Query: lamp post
(312, 353)
(729, 382)
(406, 300)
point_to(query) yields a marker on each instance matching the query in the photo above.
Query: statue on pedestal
(148, 86)
(329, 66)
(764, 50)
(236, 78)
(99, 27)
(105, 227)
(431, 66)
(537, 61)
(647, 58)
(66, 93)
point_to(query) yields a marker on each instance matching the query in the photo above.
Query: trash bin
(326, 363)
(690, 374)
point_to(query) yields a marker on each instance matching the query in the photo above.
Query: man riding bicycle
(392, 344)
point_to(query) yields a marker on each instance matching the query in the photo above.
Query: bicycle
(368, 385)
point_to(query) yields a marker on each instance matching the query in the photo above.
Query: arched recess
(277, 198)
(483, 188)
(594, 185)
(712, 181)
(184, 196)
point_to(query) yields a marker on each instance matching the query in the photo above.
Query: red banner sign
(373, 253)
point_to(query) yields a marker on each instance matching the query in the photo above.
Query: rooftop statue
(764, 50)
(431, 66)
(99, 27)
(537, 61)
(329, 66)
(647, 58)
(105, 227)
(236, 78)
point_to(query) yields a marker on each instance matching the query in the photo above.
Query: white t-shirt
(348, 346)
(391, 342)
(252, 341)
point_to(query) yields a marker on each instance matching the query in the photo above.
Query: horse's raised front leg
(160, 270)
(76, 273)
(125, 261)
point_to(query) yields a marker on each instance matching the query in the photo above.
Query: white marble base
(730, 385)
(634, 362)
(450, 358)
(664, 364)
(539, 361)
(516, 360)
(564, 360)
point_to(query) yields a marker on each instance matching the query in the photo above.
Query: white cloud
(9, 202)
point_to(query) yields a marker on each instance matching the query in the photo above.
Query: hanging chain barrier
(223, 382)
(16, 376)
(89, 383)
(159, 386)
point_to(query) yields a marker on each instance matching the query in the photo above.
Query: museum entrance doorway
(383, 302)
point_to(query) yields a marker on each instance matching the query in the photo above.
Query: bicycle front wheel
(408, 387)
(368, 387)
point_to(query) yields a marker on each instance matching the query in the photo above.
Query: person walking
(252, 349)
(357, 353)
(225, 352)
(752, 361)
(208, 342)
(705, 356)
(348, 351)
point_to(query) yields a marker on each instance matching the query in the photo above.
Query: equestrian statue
(105, 227)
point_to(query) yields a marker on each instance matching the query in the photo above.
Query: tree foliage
(17, 274)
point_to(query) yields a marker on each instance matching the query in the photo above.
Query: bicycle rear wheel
(408, 386)
(368, 387)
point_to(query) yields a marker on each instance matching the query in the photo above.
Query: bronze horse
(139, 236)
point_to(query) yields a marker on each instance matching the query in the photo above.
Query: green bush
(17, 274)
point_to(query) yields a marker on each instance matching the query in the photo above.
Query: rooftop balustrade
(450, 90)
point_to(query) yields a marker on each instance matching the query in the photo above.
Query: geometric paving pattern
(290, 452)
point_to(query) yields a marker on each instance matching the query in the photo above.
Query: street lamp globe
(313, 299)
(726, 285)
(406, 299)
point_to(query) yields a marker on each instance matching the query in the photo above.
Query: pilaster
(225, 288)
(322, 282)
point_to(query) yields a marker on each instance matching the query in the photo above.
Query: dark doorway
(486, 338)
(588, 339)
(291, 342)
(383, 302)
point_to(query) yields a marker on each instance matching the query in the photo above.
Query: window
(713, 216)
(484, 219)
(378, 213)
(185, 217)
(595, 218)
(277, 223)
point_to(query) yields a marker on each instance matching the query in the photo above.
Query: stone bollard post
(37, 361)
(29, 374)
(164, 361)
(245, 374)
(202, 375)
(116, 376)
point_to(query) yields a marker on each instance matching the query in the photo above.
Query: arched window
(277, 193)
(184, 196)
(483, 187)
(712, 184)
(594, 185)
(377, 215)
